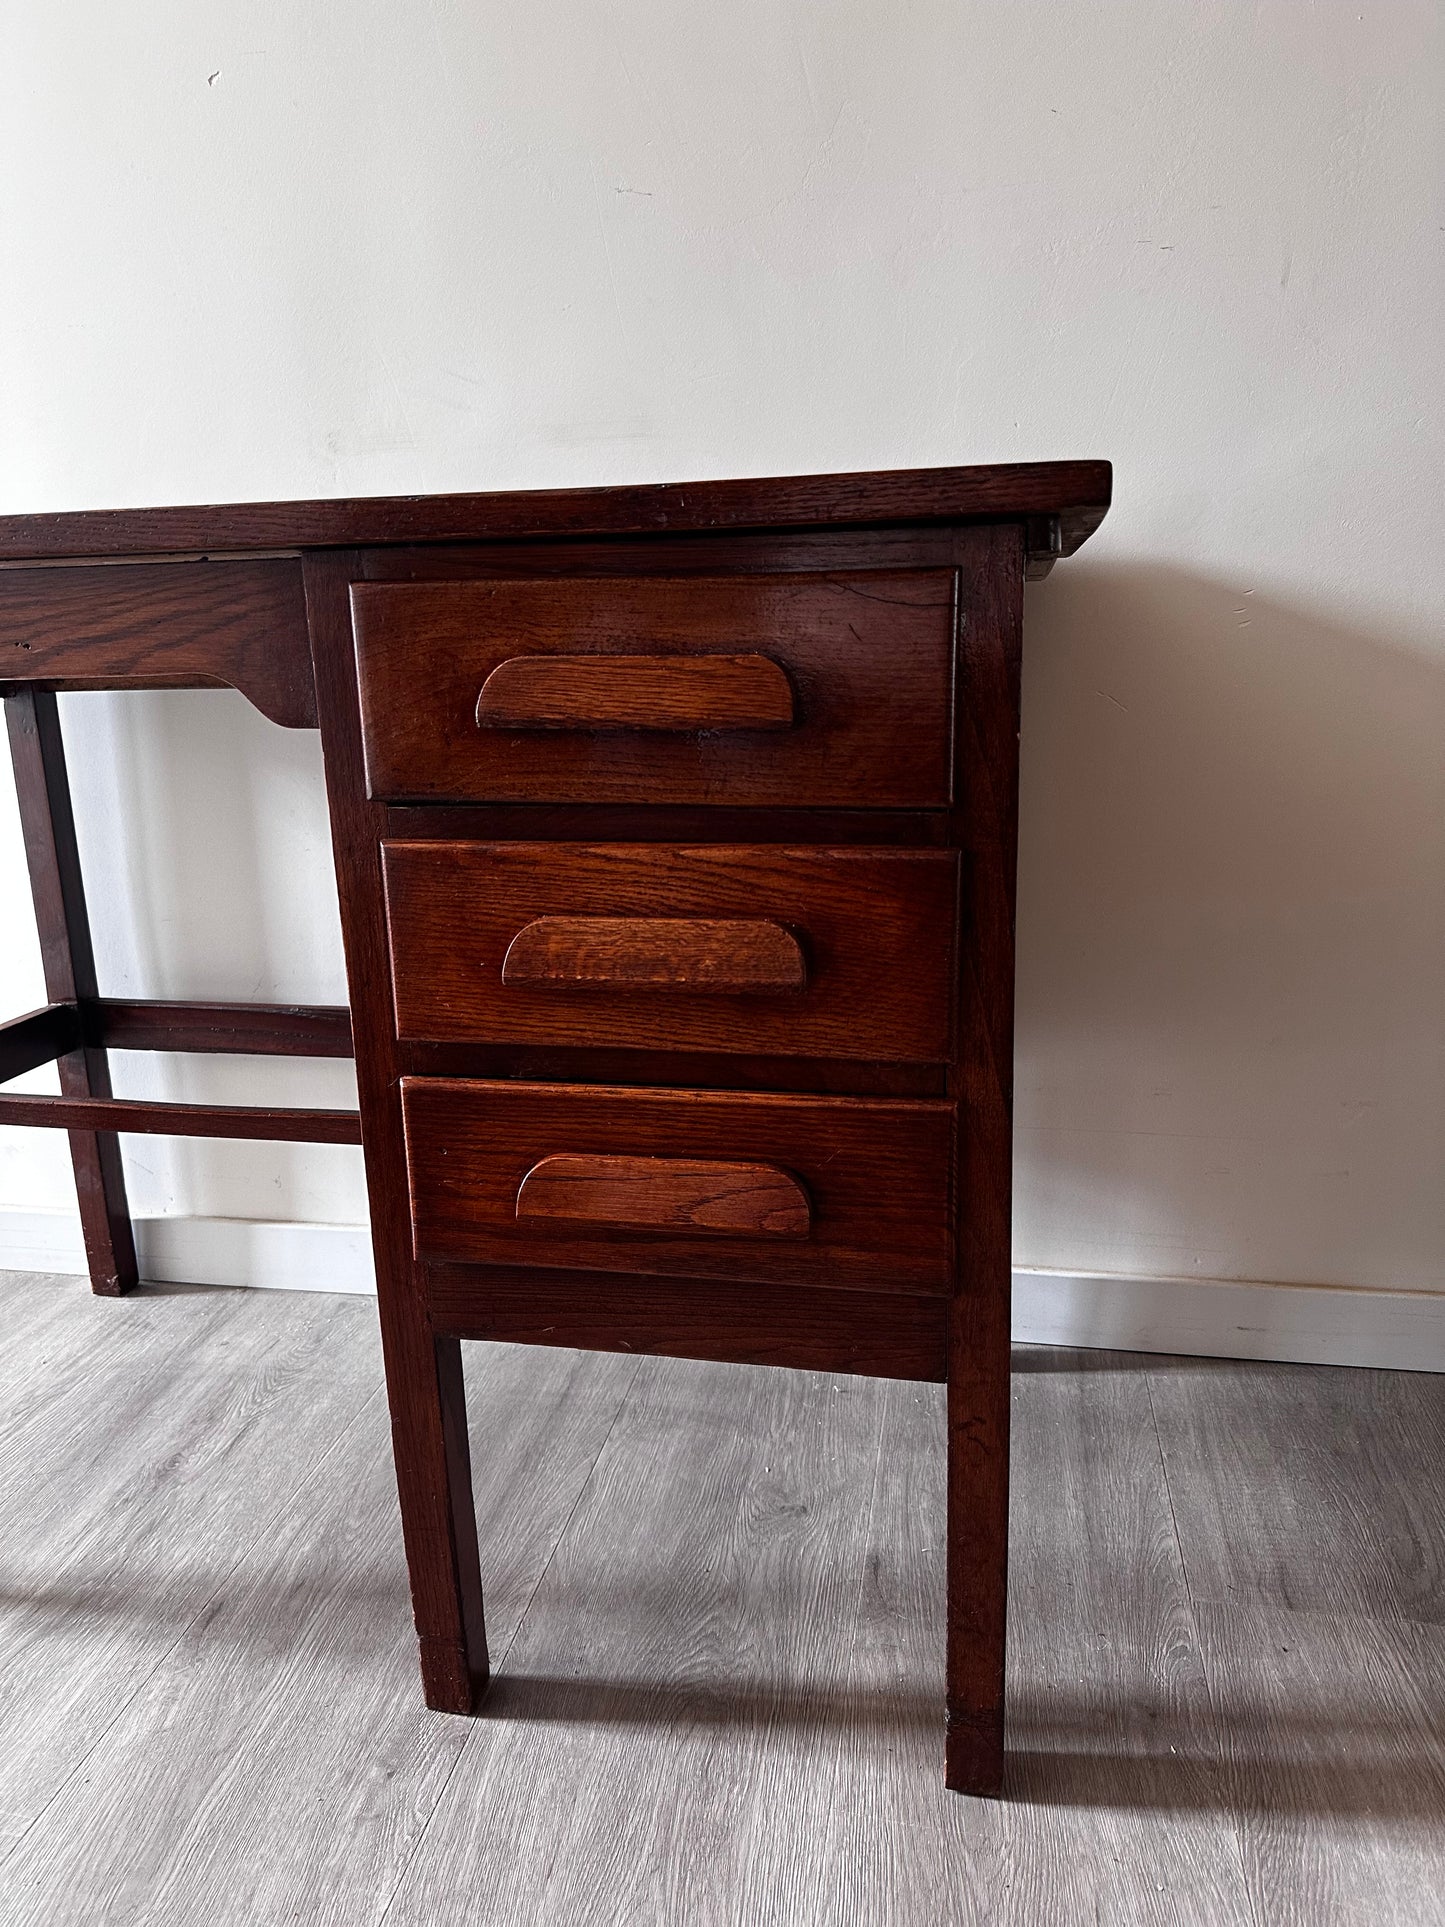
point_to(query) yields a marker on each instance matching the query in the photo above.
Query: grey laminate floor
(715, 1607)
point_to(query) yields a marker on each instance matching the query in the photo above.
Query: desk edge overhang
(1060, 504)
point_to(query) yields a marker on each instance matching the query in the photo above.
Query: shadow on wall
(1231, 931)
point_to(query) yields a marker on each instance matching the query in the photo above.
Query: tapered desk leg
(43, 790)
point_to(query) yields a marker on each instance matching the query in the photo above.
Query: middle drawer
(841, 953)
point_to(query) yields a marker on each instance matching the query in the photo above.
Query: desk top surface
(1066, 499)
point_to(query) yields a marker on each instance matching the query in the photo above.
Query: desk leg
(434, 1480)
(423, 1368)
(991, 565)
(978, 1446)
(43, 790)
(979, 1390)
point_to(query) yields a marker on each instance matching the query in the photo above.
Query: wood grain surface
(991, 645)
(694, 1626)
(663, 953)
(163, 625)
(667, 1194)
(673, 694)
(642, 822)
(876, 1334)
(145, 1448)
(1259, 1482)
(835, 650)
(1331, 1727)
(1114, 1745)
(226, 1574)
(715, 1615)
(659, 1069)
(875, 930)
(67, 956)
(425, 1387)
(1114, 1809)
(867, 655)
(1062, 502)
(277, 1126)
(37, 1038)
(253, 1030)
(876, 1173)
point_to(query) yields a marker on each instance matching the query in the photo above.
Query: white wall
(268, 250)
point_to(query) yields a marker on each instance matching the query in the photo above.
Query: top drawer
(804, 690)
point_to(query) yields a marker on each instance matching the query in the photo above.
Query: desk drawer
(788, 1190)
(784, 952)
(803, 690)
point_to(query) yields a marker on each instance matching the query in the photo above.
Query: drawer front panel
(791, 1190)
(786, 952)
(810, 690)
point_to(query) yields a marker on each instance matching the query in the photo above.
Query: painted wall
(269, 250)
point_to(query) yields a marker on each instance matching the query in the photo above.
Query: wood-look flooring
(715, 1611)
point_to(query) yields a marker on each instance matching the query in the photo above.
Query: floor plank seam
(120, 1711)
(1216, 1716)
(566, 1526)
(182, 1635)
(840, 1736)
(501, 1660)
(379, 1392)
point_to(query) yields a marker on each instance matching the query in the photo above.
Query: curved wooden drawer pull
(667, 953)
(666, 1194)
(676, 693)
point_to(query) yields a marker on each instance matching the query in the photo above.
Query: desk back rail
(78, 1027)
(183, 1120)
(47, 822)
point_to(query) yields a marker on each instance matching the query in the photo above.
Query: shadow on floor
(1352, 1784)
(540, 1697)
(1358, 1768)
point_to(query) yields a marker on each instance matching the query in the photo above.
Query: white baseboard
(1228, 1318)
(1212, 1318)
(204, 1251)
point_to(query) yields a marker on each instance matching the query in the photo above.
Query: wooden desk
(675, 832)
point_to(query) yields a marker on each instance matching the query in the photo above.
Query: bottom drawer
(854, 1192)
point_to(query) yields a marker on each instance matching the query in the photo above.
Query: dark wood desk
(675, 833)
